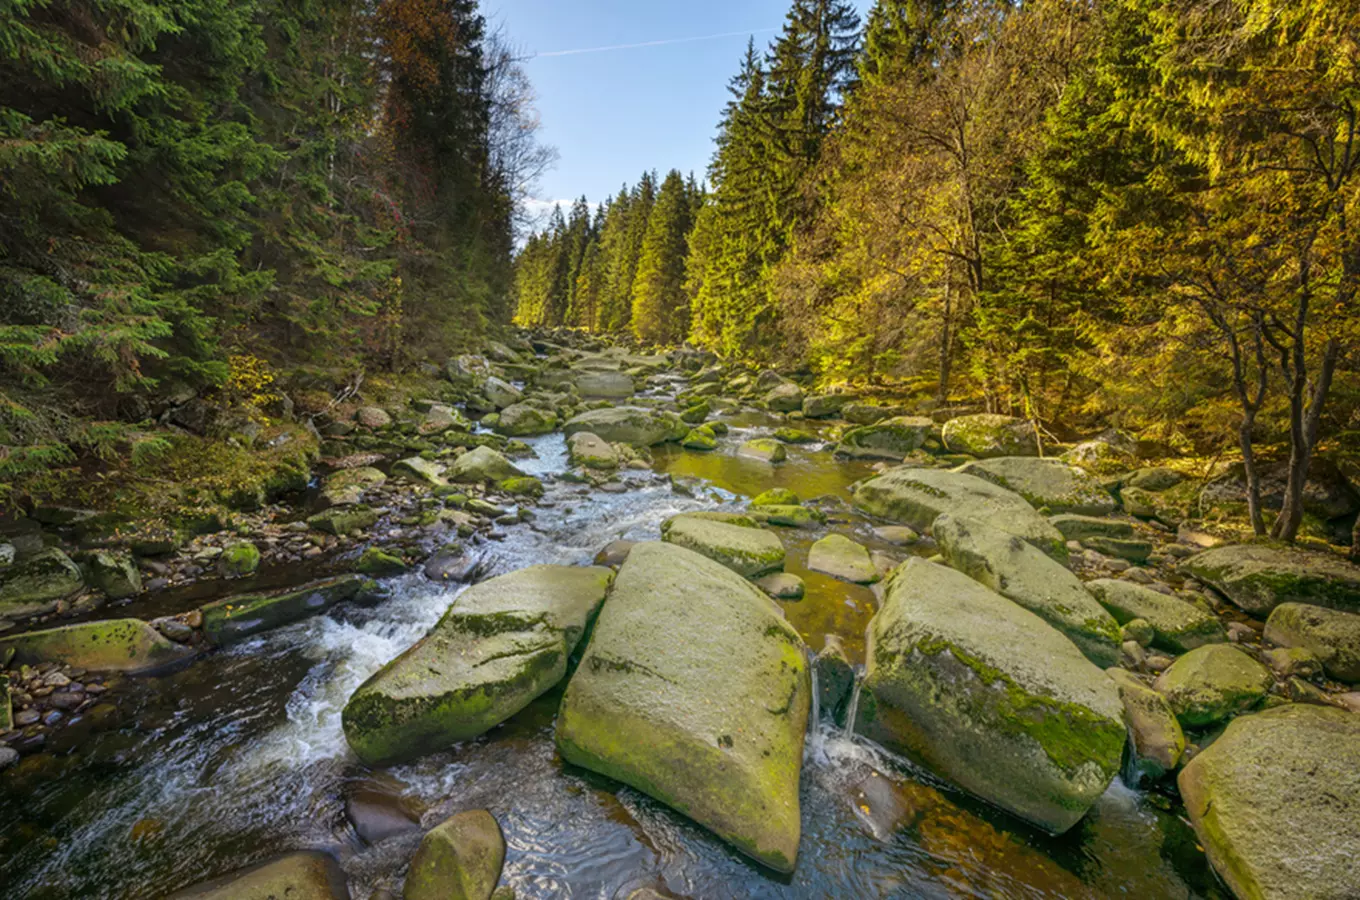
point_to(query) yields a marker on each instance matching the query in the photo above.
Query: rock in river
(1213, 683)
(895, 438)
(481, 465)
(33, 585)
(1047, 484)
(238, 617)
(1276, 803)
(1259, 577)
(989, 696)
(501, 644)
(986, 435)
(460, 859)
(916, 497)
(696, 691)
(297, 876)
(1022, 573)
(113, 645)
(838, 556)
(629, 425)
(748, 551)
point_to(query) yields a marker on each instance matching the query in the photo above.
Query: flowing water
(241, 757)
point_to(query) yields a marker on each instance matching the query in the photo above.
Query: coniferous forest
(948, 487)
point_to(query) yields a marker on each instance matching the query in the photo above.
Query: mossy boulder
(1275, 802)
(776, 497)
(695, 690)
(1259, 577)
(870, 414)
(1079, 528)
(1155, 736)
(794, 436)
(1023, 574)
(786, 397)
(1049, 484)
(420, 470)
(500, 394)
(458, 859)
(1158, 478)
(789, 516)
(701, 439)
(481, 465)
(1170, 507)
(347, 486)
(380, 563)
(696, 414)
(342, 520)
(238, 559)
(782, 586)
(1134, 550)
(989, 696)
(521, 486)
(592, 452)
(917, 497)
(306, 875)
(113, 645)
(748, 551)
(33, 585)
(987, 435)
(893, 439)
(629, 425)
(525, 420)
(824, 406)
(115, 574)
(1177, 626)
(604, 385)
(767, 449)
(235, 618)
(500, 645)
(1333, 636)
(838, 556)
(1212, 684)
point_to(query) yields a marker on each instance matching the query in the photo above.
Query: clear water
(241, 757)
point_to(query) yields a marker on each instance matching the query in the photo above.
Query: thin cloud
(688, 40)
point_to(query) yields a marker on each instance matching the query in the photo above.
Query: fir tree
(660, 303)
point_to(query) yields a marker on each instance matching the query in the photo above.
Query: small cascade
(815, 719)
(853, 709)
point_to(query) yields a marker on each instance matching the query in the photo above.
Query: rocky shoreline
(1044, 624)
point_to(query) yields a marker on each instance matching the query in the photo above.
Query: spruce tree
(660, 303)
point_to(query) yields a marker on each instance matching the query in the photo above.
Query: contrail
(691, 40)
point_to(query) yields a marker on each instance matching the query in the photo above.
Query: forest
(1129, 212)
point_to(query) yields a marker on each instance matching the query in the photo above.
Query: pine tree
(660, 302)
(623, 271)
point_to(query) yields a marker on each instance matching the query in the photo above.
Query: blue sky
(612, 114)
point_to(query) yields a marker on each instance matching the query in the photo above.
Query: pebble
(52, 718)
(66, 700)
(25, 717)
(8, 757)
(1241, 633)
(56, 679)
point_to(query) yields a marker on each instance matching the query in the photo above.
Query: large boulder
(1081, 528)
(113, 645)
(695, 690)
(1022, 573)
(591, 451)
(33, 585)
(890, 439)
(1331, 635)
(765, 449)
(838, 556)
(748, 551)
(481, 465)
(459, 859)
(1259, 577)
(500, 645)
(917, 497)
(307, 875)
(1178, 626)
(823, 406)
(1326, 493)
(989, 696)
(525, 420)
(1275, 802)
(348, 486)
(628, 425)
(238, 617)
(500, 393)
(1213, 683)
(786, 397)
(987, 435)
(117, 575)
(1047, 484)
(604, 384)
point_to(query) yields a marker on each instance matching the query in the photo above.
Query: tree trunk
(1355, 541)
(1258, 522)
(946, 337)
(1303, 434)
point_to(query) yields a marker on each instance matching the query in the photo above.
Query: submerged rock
(1212, 684)
(989, 696)
(298, 876)
(238, 617)
(1047, 484)
(500, 645)
(986, 435)
(782, 586)
(1333, 636)
(459, 859)
(789, 516)
(1177, 626)
(1276, 803)
(838, 556)
(113, 645)
(1259, 577)
(1022, 573)
(748, 551)
(917, 497)
(694, 690)
(33, 585)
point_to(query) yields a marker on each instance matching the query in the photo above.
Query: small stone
(25, 717)
(66, 700)
(1140, 631)
(1241, 633)
(782, 586)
